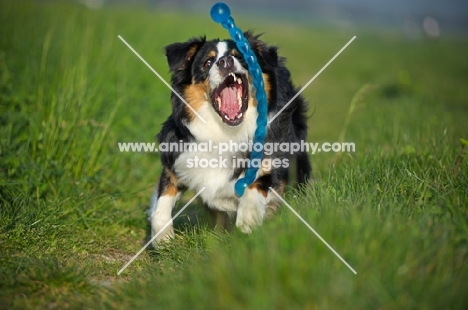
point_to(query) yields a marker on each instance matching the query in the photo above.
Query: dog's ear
(180, 55)
(267, 55)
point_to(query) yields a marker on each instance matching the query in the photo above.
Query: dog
(212, 77)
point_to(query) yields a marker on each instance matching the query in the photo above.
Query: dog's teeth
(226, 117)
(218, 101)
(239, 80)
(239, 116)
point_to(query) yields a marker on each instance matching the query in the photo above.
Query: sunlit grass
(72, 207)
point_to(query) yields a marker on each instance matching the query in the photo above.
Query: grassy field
(72, 207)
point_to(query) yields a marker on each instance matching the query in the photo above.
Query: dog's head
(213, 78)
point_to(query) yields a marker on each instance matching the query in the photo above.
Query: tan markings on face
(252, 103)
(235, 53)
(195, 94)
(267, 87)
(212, 54)
(266, 81)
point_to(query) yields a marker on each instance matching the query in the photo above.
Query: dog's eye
(207, 63)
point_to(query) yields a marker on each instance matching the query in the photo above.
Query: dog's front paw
(160, 217)
(161, 230)
(249, 216)
(161, 235)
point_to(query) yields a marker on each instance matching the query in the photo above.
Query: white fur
(215, 76)
(222, 49)
(161, 215)
(214, 129)
(251, 210)
(219, 193)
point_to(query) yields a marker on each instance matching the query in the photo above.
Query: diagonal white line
(161, 78)
(311, 80)
(310, 227)
(161, 230)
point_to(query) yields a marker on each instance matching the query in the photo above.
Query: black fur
(290, 125)
(186, 66)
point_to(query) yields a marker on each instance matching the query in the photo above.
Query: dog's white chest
(199, 169)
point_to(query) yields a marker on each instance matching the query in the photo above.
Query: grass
(73, 207)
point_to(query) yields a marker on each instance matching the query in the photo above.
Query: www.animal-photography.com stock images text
(233, 155)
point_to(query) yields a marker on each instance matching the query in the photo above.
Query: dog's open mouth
(230, 98)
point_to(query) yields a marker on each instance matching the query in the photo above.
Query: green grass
(72, 207)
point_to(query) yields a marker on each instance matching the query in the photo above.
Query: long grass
(72, 207)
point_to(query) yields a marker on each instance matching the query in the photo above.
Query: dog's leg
(220, 220)
(272, 200)
(303, 167)
(251, 210)
(163, 201)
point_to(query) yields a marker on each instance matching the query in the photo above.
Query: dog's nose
(226, 64)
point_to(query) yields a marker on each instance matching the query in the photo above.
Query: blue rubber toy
(221, 14)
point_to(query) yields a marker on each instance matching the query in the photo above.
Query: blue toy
(221, 14)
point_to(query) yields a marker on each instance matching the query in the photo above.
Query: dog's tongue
(229, 104)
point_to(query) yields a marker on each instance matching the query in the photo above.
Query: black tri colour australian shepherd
(213, 79)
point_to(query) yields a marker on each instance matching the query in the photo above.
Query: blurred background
(415, 18)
